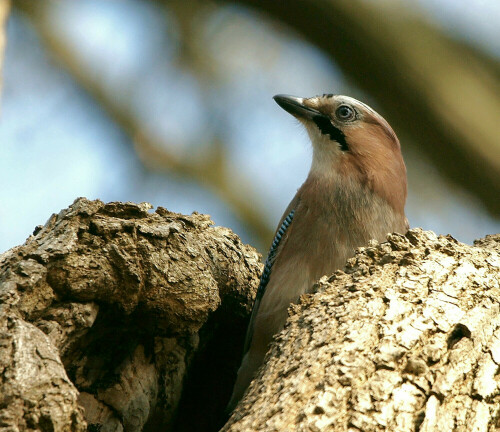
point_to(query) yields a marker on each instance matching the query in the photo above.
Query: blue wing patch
(266, 274)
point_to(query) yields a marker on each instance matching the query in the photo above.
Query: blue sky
(57, 144)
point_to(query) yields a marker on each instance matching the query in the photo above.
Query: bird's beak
(295, 106)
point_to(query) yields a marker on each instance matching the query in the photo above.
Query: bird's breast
(330, 222)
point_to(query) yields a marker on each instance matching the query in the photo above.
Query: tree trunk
(115, 318)
(129, 307)
(406, 339)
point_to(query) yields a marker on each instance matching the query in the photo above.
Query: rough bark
(108, 312)
(114, 318)
(407, 338)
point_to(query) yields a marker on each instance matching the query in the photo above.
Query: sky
(57, 143)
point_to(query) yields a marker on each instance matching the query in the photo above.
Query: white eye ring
(345, 113)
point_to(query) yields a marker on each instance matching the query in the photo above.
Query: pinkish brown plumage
(355, 192)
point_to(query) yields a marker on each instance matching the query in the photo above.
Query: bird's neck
(381, 171)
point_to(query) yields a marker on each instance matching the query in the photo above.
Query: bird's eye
(345, 113)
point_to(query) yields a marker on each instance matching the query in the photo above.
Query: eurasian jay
(355, 191)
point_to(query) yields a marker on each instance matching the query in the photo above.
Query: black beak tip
(295, 106)
(285, 101)
(281, 98)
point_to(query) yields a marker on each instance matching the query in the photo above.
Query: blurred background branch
(210, 171)
(4, 13)
(170, 102)
(443, 93)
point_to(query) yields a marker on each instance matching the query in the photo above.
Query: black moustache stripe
(326, 128)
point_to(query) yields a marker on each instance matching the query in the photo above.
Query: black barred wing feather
(266, 274)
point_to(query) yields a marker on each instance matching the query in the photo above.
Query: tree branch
(436, 90)
(210, 172)
(4, 13)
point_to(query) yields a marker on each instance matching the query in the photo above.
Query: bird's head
(351, 142)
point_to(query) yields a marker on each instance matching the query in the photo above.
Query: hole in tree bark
(212, 373)
(419, 420)
(459, 332)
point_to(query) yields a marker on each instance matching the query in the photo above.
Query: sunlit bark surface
(406, 339)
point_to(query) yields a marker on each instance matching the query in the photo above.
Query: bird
(355, 191)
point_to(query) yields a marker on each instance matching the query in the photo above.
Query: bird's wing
(280, 234)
